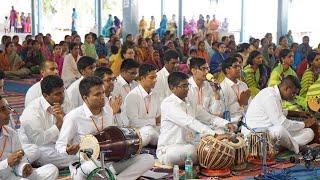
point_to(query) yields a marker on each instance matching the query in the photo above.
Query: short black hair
(283, 53)
(114, 49)
(291, 81)
(72, 45)
(124, 49)
(101, 71)
(84, 62)
(311, 56)
(87, 83)
(2, 75)
(175, 78)
(43, 64)
(170, 54)
(145, 69)
(50, 82)
(196, 62)
(228, 63)
(128, 64)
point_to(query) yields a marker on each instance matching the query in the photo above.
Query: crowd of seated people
(157, 85)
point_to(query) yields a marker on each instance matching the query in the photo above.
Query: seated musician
(235, 95)
(106, 75)
(90, 118)
(179, 124)
(13, 162)
(142, 106)
(265, 111)
(86, 66)
(42, 120)
(202, 96)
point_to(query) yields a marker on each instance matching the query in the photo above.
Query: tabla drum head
(90, 142)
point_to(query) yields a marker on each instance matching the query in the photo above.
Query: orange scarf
(4, 62)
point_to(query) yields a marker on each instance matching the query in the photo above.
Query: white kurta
(162, 86)
(69, 70)
(39, 126)
(178, 131)
(229, 94)
(142, 109)
(11, 140)
(122, 88)
(79, 122)
(265, 111)
(73, 93)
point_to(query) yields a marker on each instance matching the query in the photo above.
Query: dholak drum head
(90, 142)
(216, 172)
(100, 173)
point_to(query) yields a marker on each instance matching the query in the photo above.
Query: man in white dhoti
(42, 119)
(265, 111)
(13, 163)
(179, 125)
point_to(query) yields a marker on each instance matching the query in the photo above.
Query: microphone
(88, 152)
(212, 81)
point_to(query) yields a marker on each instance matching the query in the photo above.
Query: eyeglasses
(204, 68)
(236, 66)
(185, 86)
(6, 107)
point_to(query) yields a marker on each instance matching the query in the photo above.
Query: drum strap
(95, 125)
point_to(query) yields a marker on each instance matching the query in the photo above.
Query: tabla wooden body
(255, 145)
(215, 154)
(241, 153)
(119, 143)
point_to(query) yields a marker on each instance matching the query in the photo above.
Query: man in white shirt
(171, 63)
(203, 96)
(70, 71)
(90, 118)
(42, 120)
(13, 162)
(179, 124)
(234, 94)
(265, 111)
(106, 75)
(46, 68)
(142, 106)
(86, 66)
(124, 83)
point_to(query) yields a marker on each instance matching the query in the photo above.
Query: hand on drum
(309, 122)
(72, 149)
(231, 127)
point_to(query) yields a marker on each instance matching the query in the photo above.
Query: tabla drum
(215, 154)
(241, 153)
(255, 145)
(100, 173)
(119, 143)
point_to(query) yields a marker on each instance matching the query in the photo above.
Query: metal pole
(242, 21)
(162, 8)
(39, 16)
(33, 19)
(180, 27)
(99, 4)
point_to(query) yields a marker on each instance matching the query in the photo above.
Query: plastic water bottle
(175, 172)
(188, 167)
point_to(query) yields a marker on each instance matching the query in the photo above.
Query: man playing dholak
(90, 118)
(265, 111)
(13, 162)
(179, 124)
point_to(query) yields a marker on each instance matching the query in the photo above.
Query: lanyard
(200, 96)
(146, 103)
(4, 144)
(96, 124)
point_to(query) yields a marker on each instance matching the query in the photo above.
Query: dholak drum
(255, 147)
(119, 143)
(215, 155)
(241, 153)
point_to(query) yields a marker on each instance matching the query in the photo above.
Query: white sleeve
(273, 108)
(33, 127)
(175, 114)
(210, 119)
(4, 167)
(67, 133)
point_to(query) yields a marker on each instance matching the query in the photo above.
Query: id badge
(227, 115)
